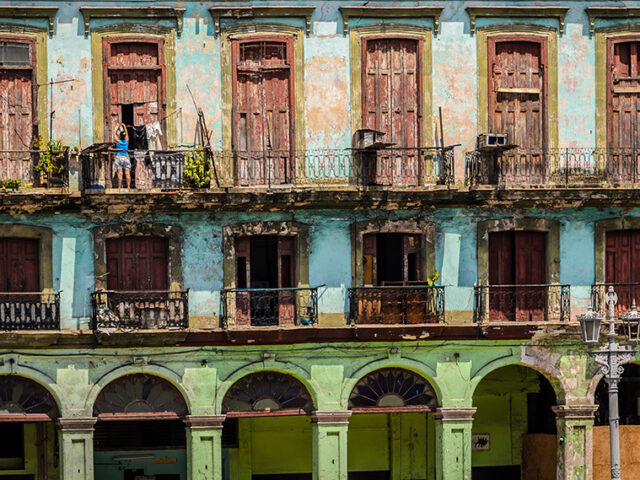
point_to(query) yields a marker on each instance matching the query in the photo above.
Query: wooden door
(19, 265)
(391, 94)
(622, 265)
(263, 119)
(287, 298)
(137, 263)
(501, 272)
(517, 104)
(623, 108)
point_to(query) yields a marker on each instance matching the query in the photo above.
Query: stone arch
(39, 382)
(414, 366)
(284, 368)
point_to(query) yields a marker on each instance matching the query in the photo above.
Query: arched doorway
(29, 441)
(139, 434)
(629, 409)
(391, 433)
(267, 433)
(514, 426)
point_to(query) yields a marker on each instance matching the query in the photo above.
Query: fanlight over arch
(392, 389)
(24, 399)
(139, 396)
(267, 393)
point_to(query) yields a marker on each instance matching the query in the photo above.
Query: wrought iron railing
(140, 310)
(627, 293)
(522, 303)
(27, 168)
(396, 305)
(269, 307)
(30, 311)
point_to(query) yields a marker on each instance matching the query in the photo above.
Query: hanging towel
(138, 139)
(154, 136)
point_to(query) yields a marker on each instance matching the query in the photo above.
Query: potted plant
(51, 162)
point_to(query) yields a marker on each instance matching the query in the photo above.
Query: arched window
(21, 397)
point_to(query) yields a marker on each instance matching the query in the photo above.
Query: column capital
(575, 412)
(454, 414)
(76, 424)
(330, 417)
(198, 422)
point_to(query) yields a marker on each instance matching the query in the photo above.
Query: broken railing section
(564, 166)
(140, 310)
(522, 303)
(34, 168)
(30, 311)
(393, 305)
(269, 307)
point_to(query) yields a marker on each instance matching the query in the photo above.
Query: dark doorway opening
(390, 257)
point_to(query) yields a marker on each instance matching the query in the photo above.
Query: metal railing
(140, 310)
(30, 311)
(25, 168)
(522, 303)
(396, 305)
(627, 292)
(266, 307)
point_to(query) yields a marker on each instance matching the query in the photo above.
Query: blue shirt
(122, 145)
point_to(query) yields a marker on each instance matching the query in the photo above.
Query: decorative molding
(391, 12)
(261, 12)
(30, 12)
(330, 417)
(609, 12)
(518, 12)
(76, 424)
(132, 13)
(463, 414)
(575, 412)
(201, 422)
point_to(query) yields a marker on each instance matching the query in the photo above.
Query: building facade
(353, 243)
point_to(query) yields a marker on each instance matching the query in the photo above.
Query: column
(204, 447)
(329, 429)
(76, 447)
(575, 441)
(453, 443)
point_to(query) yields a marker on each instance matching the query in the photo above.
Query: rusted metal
(396, 305)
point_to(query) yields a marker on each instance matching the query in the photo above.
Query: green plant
(49, 163)
(14, 184)
(197, 169)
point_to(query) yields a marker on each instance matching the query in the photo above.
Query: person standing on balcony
(121, 137)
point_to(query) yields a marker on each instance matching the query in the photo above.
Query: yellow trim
(132, 31)
(483, 34)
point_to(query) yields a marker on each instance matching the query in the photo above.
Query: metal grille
(30, 311)
(20, 395)
(15, 54)
(396, 305)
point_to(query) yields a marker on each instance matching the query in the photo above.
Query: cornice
(517, 12)
(30, 12)
(391, 12)
(132, 12)
(331, 417)
(261, 12)
(609, 12)
(454, 414)
(202, 422)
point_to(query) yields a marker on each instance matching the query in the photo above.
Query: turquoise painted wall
(105, 468)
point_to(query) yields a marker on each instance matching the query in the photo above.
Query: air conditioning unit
(367, 138)
(487, 141)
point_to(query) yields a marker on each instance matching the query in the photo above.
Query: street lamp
(611, 358)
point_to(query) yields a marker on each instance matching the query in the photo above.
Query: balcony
(627, 293)
(30, 311)
(391, 305)
(522, 303)
(269, 307)
(21, 169)
(140, 310)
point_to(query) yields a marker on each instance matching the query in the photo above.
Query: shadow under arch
(410, 365)
(160, 372)
(40, 382)
(284, 368)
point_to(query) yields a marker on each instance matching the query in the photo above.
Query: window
(137, 263)
(391, 259)
(622, 265)
(19, 265)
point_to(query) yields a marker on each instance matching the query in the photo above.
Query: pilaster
(575, 441)
(329, 429)
(453, 443)
(204, 446)
(76, 447)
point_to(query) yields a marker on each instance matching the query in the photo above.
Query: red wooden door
(623, 108)
(517, 104)
(137, 263)
(263, 120)
(501, 272)
(391, 91)
(622, 265)
(19, 265)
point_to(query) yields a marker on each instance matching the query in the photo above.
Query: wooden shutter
(19, 265)
(622, 254)
(369, 260)
(243, 280)
(530, 265)
(262, 114)
(137, 263)
(501, 272)
(411, 258)
(287, 299)
(517, 103)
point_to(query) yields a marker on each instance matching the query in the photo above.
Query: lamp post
(611, 358)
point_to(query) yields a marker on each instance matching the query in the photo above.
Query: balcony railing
(30, 311)
(26, 168)
(140, 310)
(269, 307)
(627, 292)
(522, 303)
(396, 305)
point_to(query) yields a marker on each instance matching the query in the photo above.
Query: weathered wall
(629, 457)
